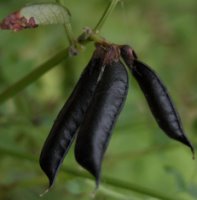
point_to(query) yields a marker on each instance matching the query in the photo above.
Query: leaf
(36, 14)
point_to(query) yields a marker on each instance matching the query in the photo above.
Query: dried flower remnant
(16, 22)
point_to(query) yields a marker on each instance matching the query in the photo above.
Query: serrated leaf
(37, 14)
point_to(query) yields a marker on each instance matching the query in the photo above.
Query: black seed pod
(70, 117)
(159, 102)
(102, 113)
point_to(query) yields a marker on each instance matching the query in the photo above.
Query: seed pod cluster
(89, 113)
(92, 109)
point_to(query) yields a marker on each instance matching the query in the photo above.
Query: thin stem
(69, 33)
(97, 38)
(34, 75)
(68, 29)
(105, 180)
(89, 35)
(105, 15)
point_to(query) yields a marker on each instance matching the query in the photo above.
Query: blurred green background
(163, 33)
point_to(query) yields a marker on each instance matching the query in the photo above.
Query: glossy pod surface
(69, 119)
(159, 102)
(95, 131)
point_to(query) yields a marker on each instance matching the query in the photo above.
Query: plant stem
(105, 180)
(69, 33)
(34, 75)
(68, 29)
(105, 15)
(89, 35)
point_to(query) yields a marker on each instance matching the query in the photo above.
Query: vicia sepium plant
(91, 111)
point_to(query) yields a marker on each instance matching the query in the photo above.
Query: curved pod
(102, 113)
(159, 102)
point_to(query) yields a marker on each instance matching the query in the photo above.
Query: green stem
(68, 29)
(69, 33)
(89, 35)
(105, 180)
(105, 15)
(34, 75)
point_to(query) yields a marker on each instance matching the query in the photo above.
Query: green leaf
(36, 14)
(50, 13)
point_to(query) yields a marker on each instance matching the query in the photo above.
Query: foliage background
(163, 33)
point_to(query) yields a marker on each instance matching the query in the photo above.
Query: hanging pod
(160, 102)
(95, 131)
(70, 117)
(157, 97)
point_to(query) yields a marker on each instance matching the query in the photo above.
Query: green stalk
(34, 75)
(105, 15)
(69, 33)
(68, 29)
(105, 180)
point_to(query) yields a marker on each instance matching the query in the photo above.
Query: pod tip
(93, 194)
(191, 148)
(185, 140)
(97, 183)
(193, 152)
(48, 188)
(43, 193)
